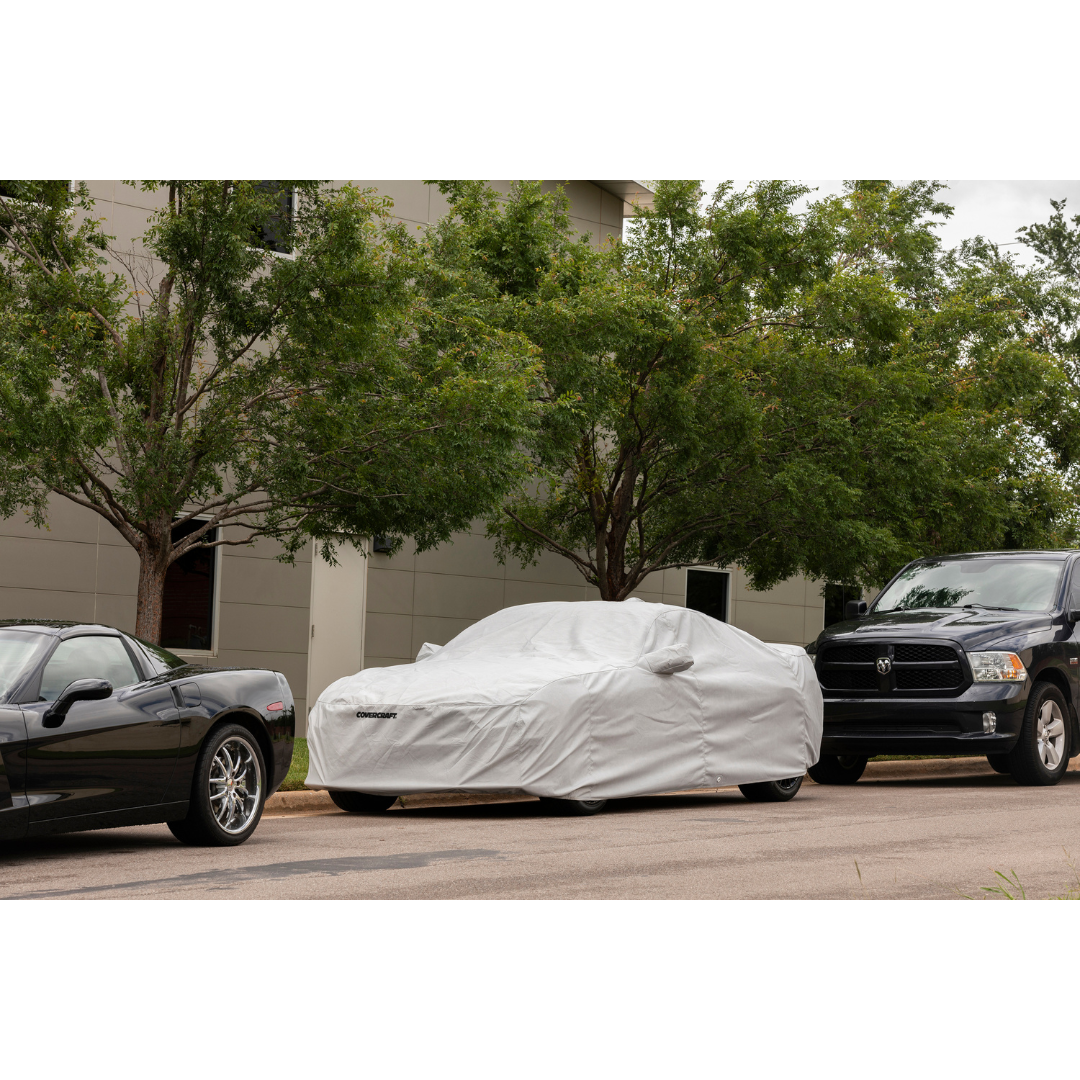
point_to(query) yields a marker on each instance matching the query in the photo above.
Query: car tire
(999, 762)
(1041, 754)
(359, 802)
(837, 769)
(574, 807)
(220, 813)
(772, 790)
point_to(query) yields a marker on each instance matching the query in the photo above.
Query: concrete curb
(303, 803)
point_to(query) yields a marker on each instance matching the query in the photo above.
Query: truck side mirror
(79, 690)
(854, 609)
(1073, 615)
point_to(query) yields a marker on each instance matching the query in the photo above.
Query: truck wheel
(837, 769)
(573, 807)
(999, 762)
(356, 802)
(772, 790)
(1041, 754)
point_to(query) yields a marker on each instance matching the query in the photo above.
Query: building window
(836, 597)
(707, 592)
(274, 233)
(187, 620)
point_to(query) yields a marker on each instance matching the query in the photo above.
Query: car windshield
(19, 650)
(994, 584)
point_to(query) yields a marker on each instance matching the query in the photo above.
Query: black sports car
(99, 729)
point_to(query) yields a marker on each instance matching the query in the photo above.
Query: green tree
(824, 392)
(261, 370)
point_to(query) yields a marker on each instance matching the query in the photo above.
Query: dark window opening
(274, 233)
(707, 592)
(836, 597)
(187, 620)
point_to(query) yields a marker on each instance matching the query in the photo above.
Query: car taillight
(275, 706)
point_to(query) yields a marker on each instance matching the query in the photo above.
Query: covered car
(579, 702)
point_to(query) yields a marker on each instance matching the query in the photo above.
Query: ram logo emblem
(884, 665)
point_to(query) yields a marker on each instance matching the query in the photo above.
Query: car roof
(56, 627)
(1050, 554)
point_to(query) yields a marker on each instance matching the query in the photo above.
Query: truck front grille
(912, 666)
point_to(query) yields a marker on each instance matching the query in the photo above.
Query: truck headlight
(997, 667)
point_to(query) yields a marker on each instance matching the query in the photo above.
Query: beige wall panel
(128, 224)
(647, 596)
(542, 592)
(51, 564)
(405, 559)
(46, 604)
(457, 597)
(585, 200)
(611, 210)
(265, 581)
(791, 591)
(389, 591)
(258, 629)
(412, 198)
(581, 225)
(770, 622)
(66, 521)
(549, 567)
(438, 207)
(385, 661)
(675, 582)
(813, 623)
(262, 548)
(468, 554)
(118, 611)
(437, 631)
(117, 570)
(389, 635)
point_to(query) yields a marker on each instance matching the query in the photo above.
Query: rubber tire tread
(574, 807)
(359, 802)
(1024, 763)
(770, 791)
(828, 770)
(199, 829)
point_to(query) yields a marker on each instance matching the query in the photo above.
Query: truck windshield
(18, 650)
(995, 584)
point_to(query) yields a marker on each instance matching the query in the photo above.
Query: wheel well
(1056, 678)
(258, 731)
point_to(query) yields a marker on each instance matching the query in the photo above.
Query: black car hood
(972, 629)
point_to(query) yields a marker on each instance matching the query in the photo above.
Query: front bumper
(887, 725)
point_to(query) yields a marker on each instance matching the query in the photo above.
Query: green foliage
(825, 392)
(289, 396)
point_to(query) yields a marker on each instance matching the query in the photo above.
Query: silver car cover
(587, 700)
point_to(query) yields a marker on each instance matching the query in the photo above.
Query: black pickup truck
(964, 654)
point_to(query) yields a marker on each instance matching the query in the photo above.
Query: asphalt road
(916, 830)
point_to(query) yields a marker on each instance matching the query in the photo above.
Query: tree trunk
(149, 606)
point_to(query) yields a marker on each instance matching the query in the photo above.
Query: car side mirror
(1073, 615)
(854, 609)
(79, 690)
(668, 660)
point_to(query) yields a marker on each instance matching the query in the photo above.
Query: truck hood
(971, 629)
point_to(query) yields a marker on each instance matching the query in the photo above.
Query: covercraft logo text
(376, 715)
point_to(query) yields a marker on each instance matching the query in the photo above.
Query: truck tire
(836, 769)
(1041, 754)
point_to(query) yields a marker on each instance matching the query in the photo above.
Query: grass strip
(298, 770)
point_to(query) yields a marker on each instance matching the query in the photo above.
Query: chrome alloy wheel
(791, 782)
(1050, 735)
(235, 784)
